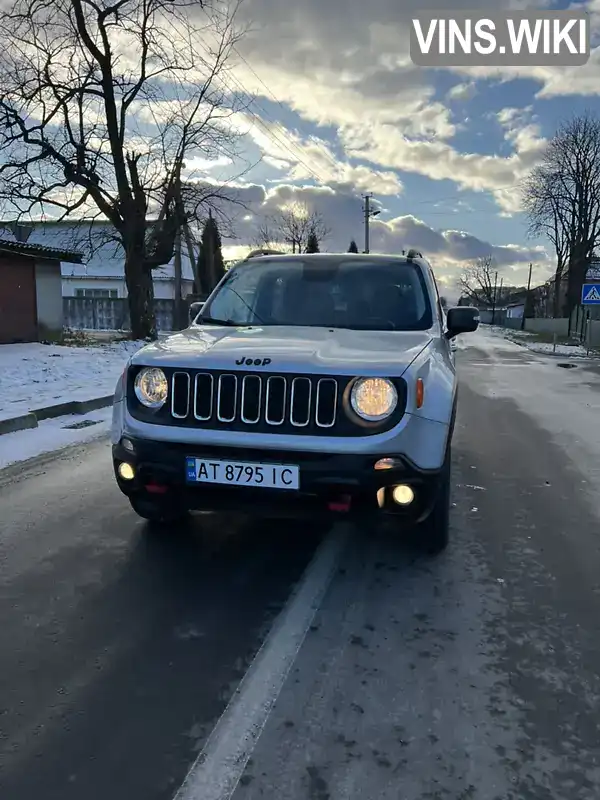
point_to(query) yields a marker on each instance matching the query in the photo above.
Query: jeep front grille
(257, 402)
(254, 400)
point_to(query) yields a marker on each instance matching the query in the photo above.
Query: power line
(279, 103)
(296, 155)
(275, 98)
(269, 133)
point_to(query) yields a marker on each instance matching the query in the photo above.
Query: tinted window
(361, 295)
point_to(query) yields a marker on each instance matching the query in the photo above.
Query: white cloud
(312, 158)
(462, 91)
(448, 250)
(200, 164)
(383, 108)
(440, 161)
(345, 66)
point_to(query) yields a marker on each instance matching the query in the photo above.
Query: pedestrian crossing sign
(590, 294)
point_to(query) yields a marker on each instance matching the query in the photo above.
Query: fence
(587, 330)
(111, 314)
(514, 323)
(558, 326)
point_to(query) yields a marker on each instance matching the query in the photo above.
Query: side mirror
(462, 319)
(195, 309)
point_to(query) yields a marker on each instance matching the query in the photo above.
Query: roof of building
(40, 251)
(101, 255)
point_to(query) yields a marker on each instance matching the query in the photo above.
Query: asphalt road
(474, 676)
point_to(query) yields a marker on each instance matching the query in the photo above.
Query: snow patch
(527, 339)
(568, 350)
(52, 435)
(486, 338)
(36, 375)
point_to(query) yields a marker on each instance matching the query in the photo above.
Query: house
(31, 306)
(515, 310)
(101, 271)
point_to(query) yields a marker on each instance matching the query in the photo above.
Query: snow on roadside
(52, 435)
(484, 338)
(35, 375)
(527, 339)
(571, 351)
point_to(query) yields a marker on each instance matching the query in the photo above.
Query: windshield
(363, 295)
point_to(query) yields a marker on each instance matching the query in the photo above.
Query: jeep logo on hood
(253, 362)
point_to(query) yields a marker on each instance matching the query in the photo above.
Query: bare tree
(267, 236)
(562, 200)
(549, 216)
(296, 224)
(477, 282)
(102, 104)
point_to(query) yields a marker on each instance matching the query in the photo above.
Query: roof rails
(264, 251)
(412, 253)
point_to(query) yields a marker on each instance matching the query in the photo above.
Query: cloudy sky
(340, 110)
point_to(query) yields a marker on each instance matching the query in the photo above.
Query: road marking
(219, 767)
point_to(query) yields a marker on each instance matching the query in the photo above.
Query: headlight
(151, 387)
(373, 399)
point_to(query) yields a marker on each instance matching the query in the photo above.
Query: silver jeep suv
(308, 384)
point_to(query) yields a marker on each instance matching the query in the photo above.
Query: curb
(14, 424)
(37, 415)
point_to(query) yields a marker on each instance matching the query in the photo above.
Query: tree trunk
(576, 275)
(557, 292)
(140, 289)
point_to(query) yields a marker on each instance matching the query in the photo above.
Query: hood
(290, 349)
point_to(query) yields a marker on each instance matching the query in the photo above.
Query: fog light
(126, 471)
(127, 444)
(387, 463)
(381, 498)
(403, 495)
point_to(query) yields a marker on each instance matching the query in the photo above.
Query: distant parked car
(308, 384)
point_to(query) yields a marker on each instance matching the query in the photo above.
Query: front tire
(434, 531)
(157, 512)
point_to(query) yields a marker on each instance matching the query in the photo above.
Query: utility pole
(367, 218)
(177, 271)
(494, 304)
(526, 298)
(192, 257)
(209, 255)
(178, 315)
(368, 212)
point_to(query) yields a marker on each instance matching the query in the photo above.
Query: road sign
(590, 294)
(592, 274)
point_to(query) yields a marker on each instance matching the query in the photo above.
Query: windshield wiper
(228, 322)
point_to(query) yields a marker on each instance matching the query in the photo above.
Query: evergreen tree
(218, 262)
(312, 243)
(353, 247)
(211, 266)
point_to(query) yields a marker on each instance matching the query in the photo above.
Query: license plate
(242, 473)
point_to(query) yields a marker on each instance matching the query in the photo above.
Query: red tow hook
(343, 503)
(156, 488)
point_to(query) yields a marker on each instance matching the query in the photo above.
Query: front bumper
(330, 483)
